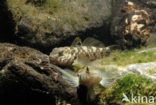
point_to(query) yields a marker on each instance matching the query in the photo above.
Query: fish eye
(87, 70)
(79, 43)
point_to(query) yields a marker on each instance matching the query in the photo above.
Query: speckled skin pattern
(137, 23)
(65, 56)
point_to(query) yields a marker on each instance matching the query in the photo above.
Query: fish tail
(114, 47)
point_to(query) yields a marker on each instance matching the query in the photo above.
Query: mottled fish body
(65, 56)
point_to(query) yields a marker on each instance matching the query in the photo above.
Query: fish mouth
(88, 76)
(90, 80)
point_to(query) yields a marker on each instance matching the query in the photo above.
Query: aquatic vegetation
(104, 78)
(101, 76)
(119, 58)
(126, 57)
(130, 84)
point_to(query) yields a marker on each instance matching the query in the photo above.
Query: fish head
(89, 76)
(62, 56)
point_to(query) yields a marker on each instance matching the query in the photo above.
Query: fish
(90, 76)
(81, 55)
(106, 75)
(65, 56)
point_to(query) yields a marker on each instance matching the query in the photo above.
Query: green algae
(54, 16)
(127, 57)
(130, 84)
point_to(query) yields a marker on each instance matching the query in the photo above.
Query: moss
(36, 2)
(130, 84)
(56, 16)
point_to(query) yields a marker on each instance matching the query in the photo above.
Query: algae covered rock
(133, 23)
(44, 24)
(150, 3)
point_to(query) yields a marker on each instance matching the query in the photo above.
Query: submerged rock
(45, 24)
(27, 77)
(53, 22)
(147, 70)
(147, 50)
(150, 3)
(133, 24)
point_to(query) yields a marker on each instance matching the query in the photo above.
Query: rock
(147, 50)
(45, 24)
(145, 69)
(8, 27)
(150, 3)
(52, 23)
(133, 24)
(152, 39)
(27, 77)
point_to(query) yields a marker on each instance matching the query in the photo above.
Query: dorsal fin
(77, 42)
(92, 42)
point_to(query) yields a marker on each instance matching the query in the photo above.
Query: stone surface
(44, 28)
(45, 25)
(27, 77)
(133, 23)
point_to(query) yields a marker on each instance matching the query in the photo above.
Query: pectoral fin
(69, 78)
(106, 82)
(73, 81)
(77, 42)
(114, 47)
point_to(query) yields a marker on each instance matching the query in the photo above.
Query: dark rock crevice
(7, 26)
(47, 32)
